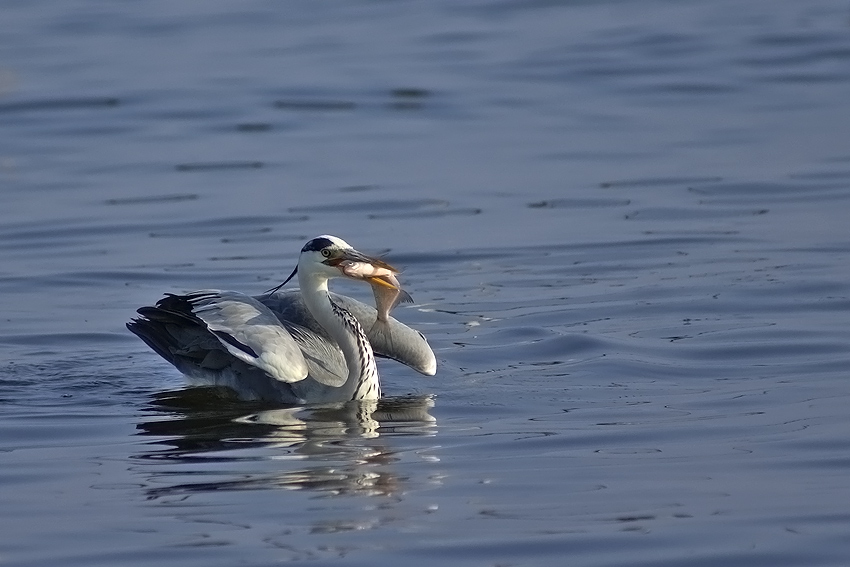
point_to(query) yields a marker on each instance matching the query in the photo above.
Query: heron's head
(329, 257)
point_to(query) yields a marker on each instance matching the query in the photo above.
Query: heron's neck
(346, 331)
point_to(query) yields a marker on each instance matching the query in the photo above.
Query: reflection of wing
(408, 346)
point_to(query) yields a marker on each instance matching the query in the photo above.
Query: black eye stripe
(316, 245)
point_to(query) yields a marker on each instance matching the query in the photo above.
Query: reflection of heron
(365, 418)
(330, 449)
(307, 347)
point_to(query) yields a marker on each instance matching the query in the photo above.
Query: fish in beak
(359, 266)
(385, 288)
(378, 274)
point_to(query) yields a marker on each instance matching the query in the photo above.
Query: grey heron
(292, 347)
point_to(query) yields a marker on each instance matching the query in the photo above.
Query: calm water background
(624, 223)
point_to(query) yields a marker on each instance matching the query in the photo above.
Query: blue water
(623, 223)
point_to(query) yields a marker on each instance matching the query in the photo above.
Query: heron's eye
(326, 253)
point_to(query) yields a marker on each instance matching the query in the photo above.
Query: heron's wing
(408, 346)
(248, 330)
(325, 361)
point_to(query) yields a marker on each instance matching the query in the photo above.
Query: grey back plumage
(408, 346)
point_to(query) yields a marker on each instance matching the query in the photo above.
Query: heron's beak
(356, 265)
(383, 281)
(355, 256)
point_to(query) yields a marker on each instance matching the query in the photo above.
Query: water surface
(624, 224)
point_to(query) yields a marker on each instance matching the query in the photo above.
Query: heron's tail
(154, 335)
